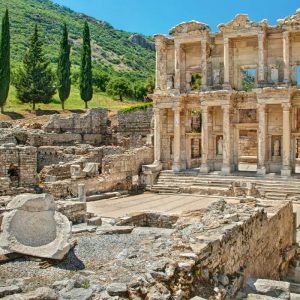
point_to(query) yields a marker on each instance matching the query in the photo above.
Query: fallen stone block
(33, 227)
(272, 288)
(77, 294)
(117, 289)
(259, 297)
(97, 221)
(107, 229)
(9, 290)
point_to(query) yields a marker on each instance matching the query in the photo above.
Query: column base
(261, 171)
(226, 170)
(204, 169)
(286, 172)
(179, 166)
(226, 86)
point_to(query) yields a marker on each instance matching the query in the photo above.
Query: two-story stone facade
(213, 123)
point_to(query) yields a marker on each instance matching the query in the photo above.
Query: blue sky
(158, 16)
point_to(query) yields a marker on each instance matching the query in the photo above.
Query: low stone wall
(118, 171)
(94, 121)
(74, 211)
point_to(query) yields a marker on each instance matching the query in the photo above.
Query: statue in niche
(276, 148)
(220, 146)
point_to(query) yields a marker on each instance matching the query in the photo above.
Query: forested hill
(109, 45)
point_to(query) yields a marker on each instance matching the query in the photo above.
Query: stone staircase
(191, 182)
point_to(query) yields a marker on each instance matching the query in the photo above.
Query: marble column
(261, 135)
(161, 66)
(157, 136)
(177, 79)
(204, 140)
(204, 63)
(226, 63)
(286, 140)
(226, 167)
(261, 57)
(177, 141)
(286, 56)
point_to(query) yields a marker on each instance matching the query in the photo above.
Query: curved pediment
(242, 22)
(189, 28)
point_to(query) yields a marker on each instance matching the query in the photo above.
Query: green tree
(4, 61)
(248, 80)
(118, 86)
(64, 68)
(86, 77)
(35, 82)
(100, 79)
(138, 90)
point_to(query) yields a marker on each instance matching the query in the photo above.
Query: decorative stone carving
(220, 145)
(241, 22)
(276, 148)
(189, 28)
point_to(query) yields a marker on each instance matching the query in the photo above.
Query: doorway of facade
(247, 150)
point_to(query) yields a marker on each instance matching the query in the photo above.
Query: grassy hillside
(110, 46)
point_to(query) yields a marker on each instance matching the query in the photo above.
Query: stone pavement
(113, 208)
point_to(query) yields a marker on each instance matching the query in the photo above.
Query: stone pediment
(290, 22)
(189, 28)
(242, 22)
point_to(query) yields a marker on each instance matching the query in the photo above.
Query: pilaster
(177, 79)
(226, 167)
(226, 64)
(286, 140)
(261, 165)
(286, 56)
(177, 141)
(204, 63)
(204, 140)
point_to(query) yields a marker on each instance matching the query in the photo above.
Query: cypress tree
(35, 82)
(86, 88)
(63, 69)
(4, 61)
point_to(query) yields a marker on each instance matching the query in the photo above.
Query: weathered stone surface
(260, 297)
(108, 229)
(117, 289)
(9, 290)
(33, 227)
(77, 294)
(272, 288)
(42, 293)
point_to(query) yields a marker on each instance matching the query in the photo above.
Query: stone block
(272, 288)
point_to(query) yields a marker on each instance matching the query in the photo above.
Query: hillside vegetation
(110, 46)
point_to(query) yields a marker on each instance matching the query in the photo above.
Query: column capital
(261, 107)
(285, 34)
(176, 109)
(226, 40)
(204, 109)
(225, 107)
(286, 106)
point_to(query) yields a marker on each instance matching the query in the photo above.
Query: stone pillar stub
(261, 135)
(177, 141)
(81, 192)
(204, 141)
(286, 140)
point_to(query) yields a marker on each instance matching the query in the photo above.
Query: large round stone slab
(34, 228)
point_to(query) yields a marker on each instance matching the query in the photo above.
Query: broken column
(81, 192)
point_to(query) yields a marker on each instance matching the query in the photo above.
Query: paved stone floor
(113, 208)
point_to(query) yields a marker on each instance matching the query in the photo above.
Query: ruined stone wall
(21, 158)
(118, 171)
(133, 127)
(94, 121)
